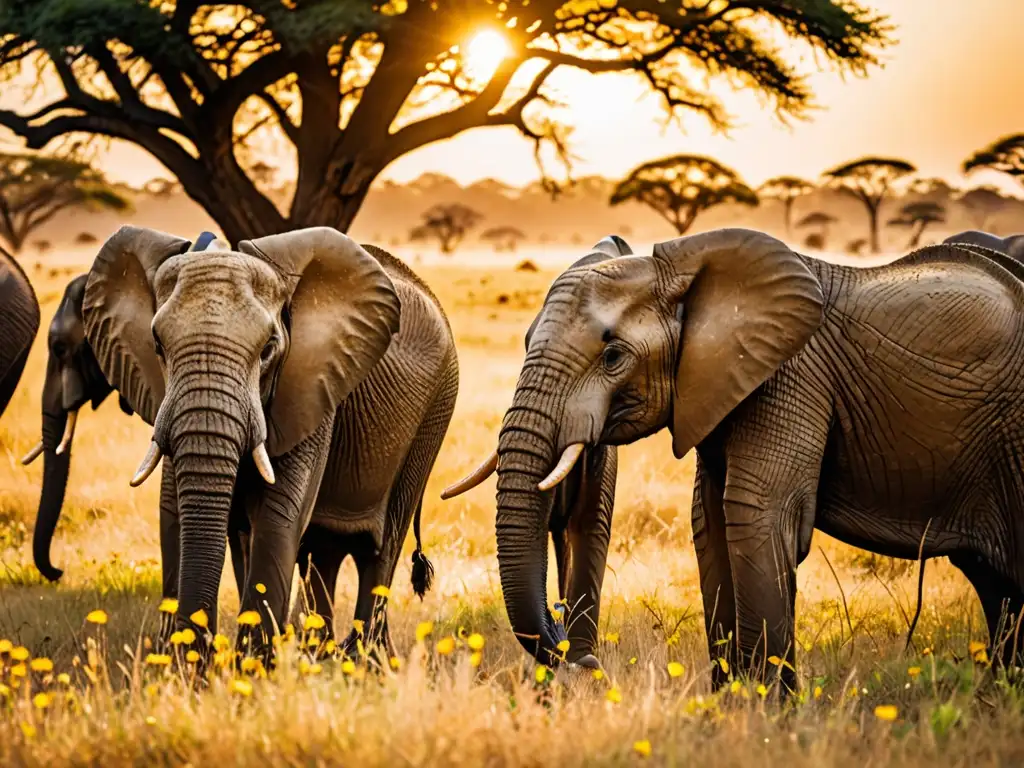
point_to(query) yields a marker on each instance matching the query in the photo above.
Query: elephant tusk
(34, 454)
(259, 455)
(471, 481)
(69, 432)
(148, 465)
(565, 464)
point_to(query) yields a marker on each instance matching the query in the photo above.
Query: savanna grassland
(73, 691)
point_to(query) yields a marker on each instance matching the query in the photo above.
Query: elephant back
(19, 323)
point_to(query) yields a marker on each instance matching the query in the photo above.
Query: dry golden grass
(438, 708)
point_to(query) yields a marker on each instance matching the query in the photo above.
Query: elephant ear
(344, 311)
(118, 313)
(749, 305)
(609, 247)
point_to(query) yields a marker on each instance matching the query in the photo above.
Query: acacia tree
(787, 190)
(34, 188)
(504, 238)
(982, 204)
(869, 180)
(448, 224)
(821, 222)
(349, 87)
(678, 188)
(1005, 156)
(917, 217)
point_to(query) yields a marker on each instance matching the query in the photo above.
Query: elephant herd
(299, 387)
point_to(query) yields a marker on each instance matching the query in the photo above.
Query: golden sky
(954, 83)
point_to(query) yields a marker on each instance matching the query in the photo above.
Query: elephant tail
(422, 568)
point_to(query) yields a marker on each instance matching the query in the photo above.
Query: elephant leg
(589, 533)
(321, 554)
(170, 543)
(1002, 600)
(716, 582)
(238, 544)
(278, 515)
(374, 569)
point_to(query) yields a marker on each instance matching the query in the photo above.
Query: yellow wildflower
(423, 630)
(314, 621)
(396, 663)
(597, 674)
(261, 588)
(192, 657)
(158, 659)
(976, 647)
(6, 646)
(476, 642)
(358, 625)
(330, 646)
(20, 653)
(540, 674)
(41, 700)
(675, 669)
(220, 643)
(19, 670)
(913, 671)
(563, 646)
(642, 747)
(446, 645)
(241, 687)
(475, 659)
(926, 652)
(735, 686)
(313, 641)
(41, 665)
(249, 618)
(817, 691)
(96, 617)
(348, 666)
(761, 690)
(632, 659)
(150, 720)
(64, 678)
(168, 605)
(29, 731)
(612, 638)
(886, 712)
(4, 691)
(381, 591)
(614, 695)
(200, 619)
(249, 664)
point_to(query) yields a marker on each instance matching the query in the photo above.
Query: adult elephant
(876, 405)
(73, 378)
(299, 382)
(19, 323)
(1009, 246)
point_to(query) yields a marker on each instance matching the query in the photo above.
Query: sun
(485, 52)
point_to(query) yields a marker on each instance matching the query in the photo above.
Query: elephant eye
(268, 352)
(612, 356)
(157, 344)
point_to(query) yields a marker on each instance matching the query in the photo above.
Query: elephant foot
(586, 661)
(374, 646)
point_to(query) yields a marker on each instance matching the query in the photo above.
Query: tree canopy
(787, 190)
(678, 188)
(917, 217)
(869, 180)
(1005, 156)
(34, 188)
(448, 224)
(347, 87)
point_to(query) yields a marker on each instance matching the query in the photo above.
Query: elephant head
(73, 378)
(623, 347)
(232, 357)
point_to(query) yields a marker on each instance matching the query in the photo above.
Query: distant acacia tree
(504, 238)
(1005, 156)
(678, 188)
(86, 238)
(448, 224)
(982, 204)
(820, 221)
(349, 87)
(917, 217)
(856, 246)
(34, 188)
(787, 190)
(869, 180)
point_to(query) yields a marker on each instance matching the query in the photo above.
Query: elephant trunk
(526, 454)
(51, 499)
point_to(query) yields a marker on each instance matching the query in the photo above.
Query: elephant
(73, 378)
(19, 323)
(880, 406)
(301, 385)
(1010, 246)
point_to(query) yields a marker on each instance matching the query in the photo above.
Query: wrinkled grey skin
(338, 361)
(19, 323)
(861, 402)
(73, 378)
(1008, 246)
